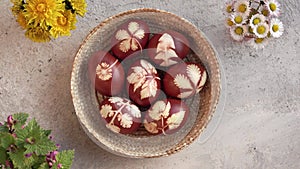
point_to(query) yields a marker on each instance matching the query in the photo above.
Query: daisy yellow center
(272, 6)
(256, 21)
(62, 20)
(229, 22)
(239, 31)
(261, 29)
(41, 7)
(275, 28)
(265, 12)
(238, 19)
(229, 9)
(259, 40)
(242, 8)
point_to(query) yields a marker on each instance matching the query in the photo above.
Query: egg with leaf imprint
(143, 83)
(106, 73)
(168, 48)
(166, 116)
(184, 80)
(130, 37)
(120, 115)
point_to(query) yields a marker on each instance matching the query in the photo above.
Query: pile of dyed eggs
(140, 68)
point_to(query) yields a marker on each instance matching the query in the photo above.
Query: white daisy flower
(258, 43)
(229, 6)
(276, 28)
(261, 30)
(257, 19)
(237, 32)
(264, 11)
(228, 22)
(242, 6)
(238, 18)
(249, 32)
(273, 7)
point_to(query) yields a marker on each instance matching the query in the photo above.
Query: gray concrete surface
(260, 126)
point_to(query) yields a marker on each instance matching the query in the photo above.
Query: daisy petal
(276, 28)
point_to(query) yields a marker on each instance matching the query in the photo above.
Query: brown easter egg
(120, 114)
(130, 37)
(143, 83)
(106, 73)
(184, 80)
(166, 116)
(168, 48)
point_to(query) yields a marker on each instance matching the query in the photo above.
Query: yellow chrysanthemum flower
(17, 7)
(42, 12)
(79, 6)
(63, 24)
(38, 34)
(44, 19)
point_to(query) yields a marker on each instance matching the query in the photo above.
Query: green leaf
(6, 140)
(17, 158)
(65, 158)
(41, 146)
(44, 166)
(4, 128)
(47, 132)
(21, 118)
(38, 160)
(3, 156)
(20, 161)
(40, 143)
(21, 137)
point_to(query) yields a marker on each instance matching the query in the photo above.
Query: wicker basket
(202, 105)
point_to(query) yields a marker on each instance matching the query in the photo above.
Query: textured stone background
(260, 125)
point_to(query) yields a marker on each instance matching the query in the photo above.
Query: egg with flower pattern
(184, 80)
(106, 73)
(143, 83)
(168, 48)
(166, 116)
(130, 37)
(120, 114)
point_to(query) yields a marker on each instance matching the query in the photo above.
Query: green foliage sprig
(29, 146)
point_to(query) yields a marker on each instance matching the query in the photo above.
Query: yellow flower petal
(63, 24)
(17, 7)
(79, 6)
(38, 34)
(42, 12)
(22, 20)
